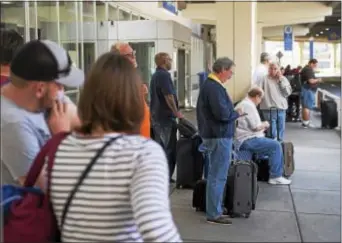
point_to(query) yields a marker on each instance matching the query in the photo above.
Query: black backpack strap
(83, 176)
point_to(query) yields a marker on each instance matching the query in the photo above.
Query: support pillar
(259, 44)
(236, 39)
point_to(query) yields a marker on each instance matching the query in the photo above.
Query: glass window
(13, 16)
(100, 11)
(69, 35)
(338, 58)
(87, 45)
(289, 57)
(113, 13)
(123, 15)
(47, 20)
(135, 17)
(33, 20)
(323, 52)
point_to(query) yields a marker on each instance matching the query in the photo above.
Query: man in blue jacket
(216, 123)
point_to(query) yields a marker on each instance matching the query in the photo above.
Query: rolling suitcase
(189, 162)
(288, 151)
(242, 188)
(199, 196)
(329, 114)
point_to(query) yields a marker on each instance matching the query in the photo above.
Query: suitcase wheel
(198, 209)
(178, 186)
(247, 215)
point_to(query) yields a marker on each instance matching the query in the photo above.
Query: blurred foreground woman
(125, 196)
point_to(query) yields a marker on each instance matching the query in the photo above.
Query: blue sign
(170, 6)
(288, 38)
(311, 49)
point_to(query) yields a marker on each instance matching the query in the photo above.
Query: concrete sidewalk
(307, 211)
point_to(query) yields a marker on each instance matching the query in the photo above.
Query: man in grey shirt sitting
(38, 74)
(250, 136)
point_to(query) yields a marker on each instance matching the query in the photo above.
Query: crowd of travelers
(110, 181)
(124, 196)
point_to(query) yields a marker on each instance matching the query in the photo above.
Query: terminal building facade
(193, 34)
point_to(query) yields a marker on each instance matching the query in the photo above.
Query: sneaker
(308, 125)
(220, 220)
(279, 181)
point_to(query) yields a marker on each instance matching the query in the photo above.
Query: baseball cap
(45, 60)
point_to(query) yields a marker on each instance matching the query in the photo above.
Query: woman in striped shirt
(125, 196)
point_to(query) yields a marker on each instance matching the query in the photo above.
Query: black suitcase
(242, 188)
(329, 114)
(288, 155)
(199, 196)
(186, 128)
(189, 162)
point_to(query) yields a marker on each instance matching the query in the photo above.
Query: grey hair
(274, 64)
(222, 63)
(264, 57)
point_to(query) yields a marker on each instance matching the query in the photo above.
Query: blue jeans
(269, 147)
(218, 152)
(203, 150)
(165, 133)
(273, 123)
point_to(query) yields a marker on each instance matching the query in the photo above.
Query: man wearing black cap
(39, 72)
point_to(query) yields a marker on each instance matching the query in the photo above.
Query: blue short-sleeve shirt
(23, 133)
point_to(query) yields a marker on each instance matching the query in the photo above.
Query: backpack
(28, 214)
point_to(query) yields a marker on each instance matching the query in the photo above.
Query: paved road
(307, 211)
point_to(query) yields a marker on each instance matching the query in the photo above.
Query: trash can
(202, 76)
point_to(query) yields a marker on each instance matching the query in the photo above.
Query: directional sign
(170, 6)
(279, 54)
(288, 38)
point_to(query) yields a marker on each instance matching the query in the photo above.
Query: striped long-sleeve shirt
(125, 197)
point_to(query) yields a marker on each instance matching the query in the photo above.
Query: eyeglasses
(132, 54)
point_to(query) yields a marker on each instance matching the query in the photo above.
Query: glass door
(145, 52)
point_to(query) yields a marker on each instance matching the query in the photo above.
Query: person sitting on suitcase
(276, 89)
(216, 124)
(250, 136)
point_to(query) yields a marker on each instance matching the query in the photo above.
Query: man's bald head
(126, 50)
(256, 94)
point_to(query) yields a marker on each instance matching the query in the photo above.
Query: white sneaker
(279, 181)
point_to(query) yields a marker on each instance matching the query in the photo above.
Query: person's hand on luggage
(179, 115)
(59, 119)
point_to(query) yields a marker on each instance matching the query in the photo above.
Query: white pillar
(236, 39)
(259, 44)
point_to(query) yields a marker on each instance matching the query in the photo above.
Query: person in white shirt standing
(262, 69)
(250, 136)
(277, 88)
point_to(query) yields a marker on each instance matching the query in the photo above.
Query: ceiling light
(327, 29)
(317, 34)
(339, 20)
(5, 2)
(321, 32)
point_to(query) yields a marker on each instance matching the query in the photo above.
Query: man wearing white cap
(38, 74)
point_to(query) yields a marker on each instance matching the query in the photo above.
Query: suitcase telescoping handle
(276, 120)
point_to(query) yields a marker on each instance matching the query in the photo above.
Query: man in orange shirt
(126, 50)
